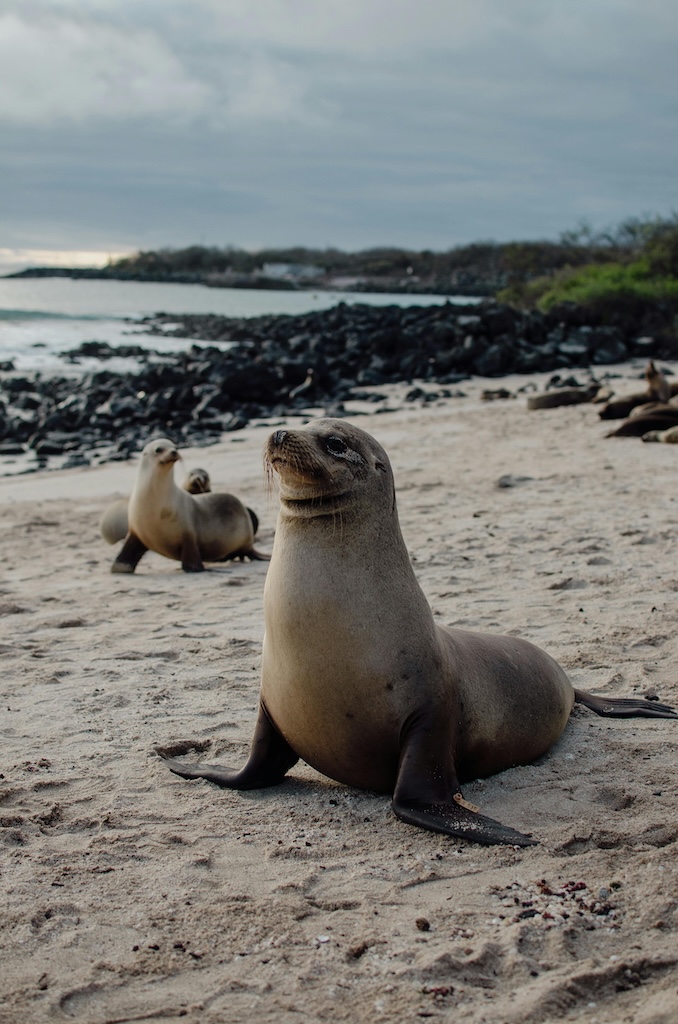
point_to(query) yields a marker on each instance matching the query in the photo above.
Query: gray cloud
(349, 123)
(70, 69)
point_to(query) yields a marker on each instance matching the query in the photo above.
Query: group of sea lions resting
(651, 414)
(357, 678)
(189, 523)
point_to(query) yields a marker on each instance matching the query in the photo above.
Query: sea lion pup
(191, 528)
(113, 524)
(357, 678)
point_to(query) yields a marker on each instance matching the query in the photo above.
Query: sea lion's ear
(381, 466)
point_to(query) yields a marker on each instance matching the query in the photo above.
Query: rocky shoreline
(277, 365)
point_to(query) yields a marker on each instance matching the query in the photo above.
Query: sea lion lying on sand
(562, 396)
(357, 678)
(650, 416)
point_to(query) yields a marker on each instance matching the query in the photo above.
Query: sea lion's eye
(336, 446)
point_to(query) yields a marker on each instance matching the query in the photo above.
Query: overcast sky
(129, 124)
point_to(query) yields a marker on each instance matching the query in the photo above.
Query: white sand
(130, 894)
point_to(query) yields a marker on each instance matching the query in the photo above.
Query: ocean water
(40, 318)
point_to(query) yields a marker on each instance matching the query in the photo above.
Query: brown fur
(189, 528)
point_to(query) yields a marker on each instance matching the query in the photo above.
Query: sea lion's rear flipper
(427, 790)
(257, 556)
(129, 554)
(624, 707)
(243, 553)
(270, 758)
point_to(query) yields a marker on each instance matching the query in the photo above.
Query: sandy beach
(129, 894)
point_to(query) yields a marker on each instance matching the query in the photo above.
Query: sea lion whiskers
(287, 453)
(337, 513)
(269, 475)
(291, 461)
(309, 485)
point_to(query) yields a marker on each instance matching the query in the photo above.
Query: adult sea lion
(197, 481)
(658, 387)
(357, 678)
(562, 396)
(113, 524)
(191, 528)
(620, 408)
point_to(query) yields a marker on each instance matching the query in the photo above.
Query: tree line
(497, 264)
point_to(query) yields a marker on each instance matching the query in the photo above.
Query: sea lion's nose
(279, 436)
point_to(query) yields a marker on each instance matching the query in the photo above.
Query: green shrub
(590, 284)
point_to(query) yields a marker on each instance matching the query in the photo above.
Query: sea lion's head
(330, 466)
(160, 452)
(198, 482)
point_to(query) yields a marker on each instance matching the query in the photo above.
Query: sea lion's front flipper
(624, 707)
(427, 790)
(270, 758)
(129, 554)
(455, 820)
(190, 554)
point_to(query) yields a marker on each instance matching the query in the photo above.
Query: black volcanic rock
(197, 394)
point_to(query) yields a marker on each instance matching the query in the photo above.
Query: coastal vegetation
(484, 266)
(526, 270)
(643, 274)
